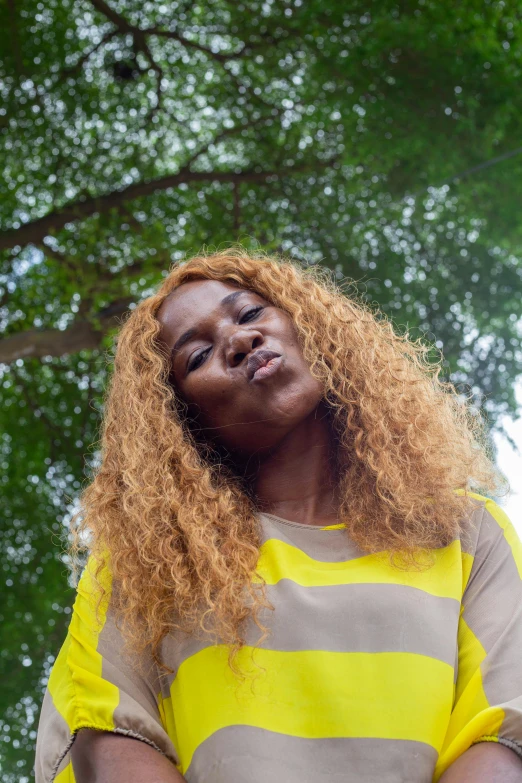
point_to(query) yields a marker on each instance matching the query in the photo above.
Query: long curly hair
(179, 527)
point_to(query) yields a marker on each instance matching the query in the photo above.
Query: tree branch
(35, 230)
(80, 336)
(485, 165)
(188, 44)
(113, 16)
(125, 26)
(472, 170)
(86, 56)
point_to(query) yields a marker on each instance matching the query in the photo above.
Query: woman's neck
(297, 480)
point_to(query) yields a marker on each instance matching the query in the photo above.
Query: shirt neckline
(301, 524)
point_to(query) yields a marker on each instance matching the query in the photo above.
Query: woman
(289, 578)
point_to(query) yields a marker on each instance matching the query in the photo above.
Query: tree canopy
(379, 138)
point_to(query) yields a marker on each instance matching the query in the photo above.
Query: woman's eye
(252, 311)
(196, 361)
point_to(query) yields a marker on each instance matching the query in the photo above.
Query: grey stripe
(493, 611)
(469, 537)
(511, 729)
(493, 596)
(52, 740)
(347, 618)
(363, 618)
(137, 711)
(332, 546)
(456, 664)
(64, 762)
(138, 679)
(241, 754)
(328, 546)
(515, 745)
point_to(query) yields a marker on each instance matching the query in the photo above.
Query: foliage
(378, 138)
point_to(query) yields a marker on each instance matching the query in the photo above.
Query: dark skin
(277, 431)
(277, 427)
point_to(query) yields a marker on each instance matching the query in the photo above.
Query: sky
(510, 463)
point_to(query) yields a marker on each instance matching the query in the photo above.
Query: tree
(381, 139)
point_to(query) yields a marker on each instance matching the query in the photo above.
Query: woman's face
(236, 361)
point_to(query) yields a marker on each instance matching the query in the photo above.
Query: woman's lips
(268, 369)
(258, 359)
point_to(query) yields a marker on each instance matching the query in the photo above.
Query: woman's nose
(240, 343)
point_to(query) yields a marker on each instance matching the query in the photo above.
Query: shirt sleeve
(488, 694)
(93, 685)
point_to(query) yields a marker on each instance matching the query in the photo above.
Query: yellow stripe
(471, 719)
(312, 694)
(167, 716)
(471, 655)
(79, 692)
(280, 560)
(334, 527)
(66, 775)
(61, 687)
(168, 720)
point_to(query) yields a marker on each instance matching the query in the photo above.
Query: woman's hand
(102, 757)
(486, 762)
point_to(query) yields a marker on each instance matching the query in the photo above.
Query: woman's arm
(487, 762)
(488, 690)
(102, 757)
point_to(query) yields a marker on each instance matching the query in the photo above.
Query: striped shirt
(370, 674)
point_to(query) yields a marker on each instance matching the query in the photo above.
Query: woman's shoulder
(490, 528)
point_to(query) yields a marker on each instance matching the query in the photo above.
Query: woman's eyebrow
(232, 297)
(186, 336)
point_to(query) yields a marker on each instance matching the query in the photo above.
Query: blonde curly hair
(179, 528)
